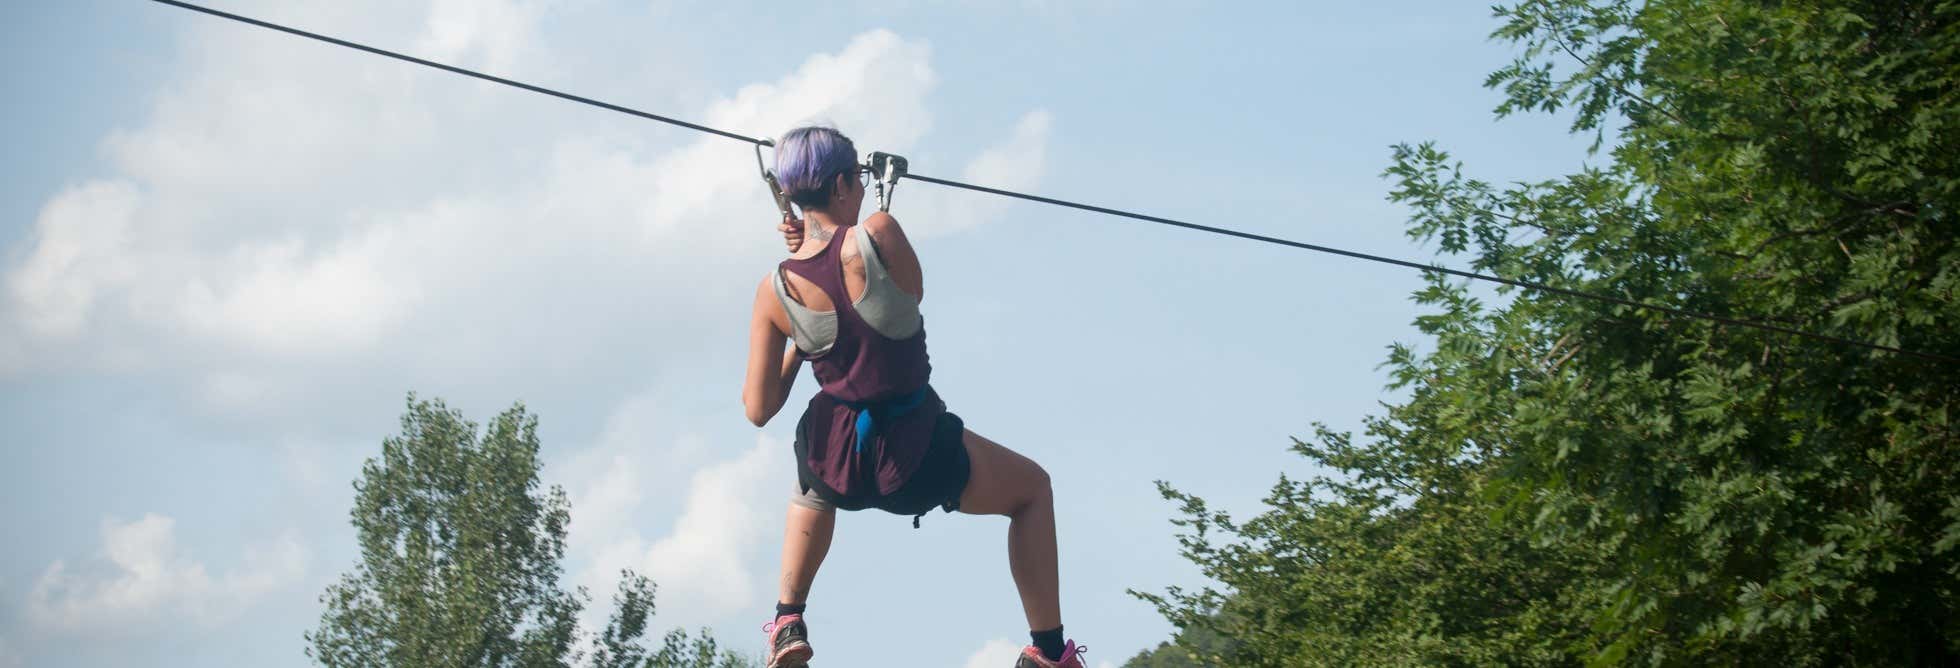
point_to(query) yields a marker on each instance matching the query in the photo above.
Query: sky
(228, 256)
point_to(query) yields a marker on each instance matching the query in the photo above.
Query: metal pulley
(886, 169)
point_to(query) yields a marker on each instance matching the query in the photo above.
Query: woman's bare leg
(806, 539)
(1005, 483)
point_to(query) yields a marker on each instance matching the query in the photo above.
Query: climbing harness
(868, 413)
(886, 169)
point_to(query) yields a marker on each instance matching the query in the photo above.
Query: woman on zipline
(877, 435)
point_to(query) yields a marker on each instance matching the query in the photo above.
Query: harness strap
(867, 417)
(867, 425)
(867, 420)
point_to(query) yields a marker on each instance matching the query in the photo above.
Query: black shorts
(939, 481)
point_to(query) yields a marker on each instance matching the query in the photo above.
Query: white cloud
(1016, 163)
(80, 239)
(484, 32)
(604, 481)
(222, 225)
(262, 129)
(148, 577)
(290, 215)
(319, 471)
(653, 496)
(303, 465)
(703, 564)
(874, 89)
(996, 653)
(289, 220)
(635, 472)
(286, 299)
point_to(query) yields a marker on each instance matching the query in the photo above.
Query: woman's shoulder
(895, 252)
(885, 230)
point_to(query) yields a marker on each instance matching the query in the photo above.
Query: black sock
(1049, 642)
(787, 609)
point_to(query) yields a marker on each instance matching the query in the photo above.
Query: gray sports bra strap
(809, 328)
(874, 267)
(889, 310)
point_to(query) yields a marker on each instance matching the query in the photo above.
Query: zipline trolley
(886, 169)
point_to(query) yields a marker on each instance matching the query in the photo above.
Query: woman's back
(873, 345)
(890, 248)
(862, 332)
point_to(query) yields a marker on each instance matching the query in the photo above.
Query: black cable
(1430, 267)
(1073, 205)
(465, 72)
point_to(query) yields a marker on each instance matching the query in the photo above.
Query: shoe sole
(794, 656)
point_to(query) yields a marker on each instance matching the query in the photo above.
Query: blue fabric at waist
(867, 411)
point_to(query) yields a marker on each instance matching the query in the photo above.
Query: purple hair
(808, 160)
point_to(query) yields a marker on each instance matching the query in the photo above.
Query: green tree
(460, 553)
(1196, 647)
(1570, 481)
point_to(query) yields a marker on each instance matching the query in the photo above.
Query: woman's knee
(1039, 489)
(1001, 481)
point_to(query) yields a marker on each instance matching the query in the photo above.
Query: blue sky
(229, 255)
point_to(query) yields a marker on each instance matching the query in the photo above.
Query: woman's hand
(792, 230)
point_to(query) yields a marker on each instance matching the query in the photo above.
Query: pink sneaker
(789, 642)
(1071, 657)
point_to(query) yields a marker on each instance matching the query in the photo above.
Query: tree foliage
(460, 552)
(1570, 481)
(1196, 647)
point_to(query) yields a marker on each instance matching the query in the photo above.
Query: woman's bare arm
(896, 252)
(772, 370)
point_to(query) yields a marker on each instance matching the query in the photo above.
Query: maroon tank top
(864, 371)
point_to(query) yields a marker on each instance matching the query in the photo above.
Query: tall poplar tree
(460, 552)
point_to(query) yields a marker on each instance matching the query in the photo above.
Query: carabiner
(887, 169)
(775, 187)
